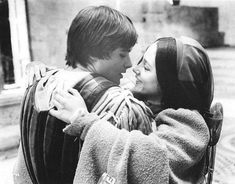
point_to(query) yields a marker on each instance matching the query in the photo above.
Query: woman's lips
(138, 82)
(137, 79)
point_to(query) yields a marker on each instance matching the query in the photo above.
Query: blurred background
(33, 30)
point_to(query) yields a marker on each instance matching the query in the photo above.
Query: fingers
(57, 104)
(67, 94)
(60, 87)
(54, 113)
(30, 76)
(43, 70)
(62, 93)
(37, 73)
(59, 101)
(48, 68)
(73, 92)
(77, 97)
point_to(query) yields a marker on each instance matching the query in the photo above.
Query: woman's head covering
(184, 74)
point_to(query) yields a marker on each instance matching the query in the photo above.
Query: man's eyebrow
(126, 50)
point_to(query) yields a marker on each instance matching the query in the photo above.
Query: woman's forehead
(150, 54)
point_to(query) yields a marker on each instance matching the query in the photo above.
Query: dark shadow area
(6, 62)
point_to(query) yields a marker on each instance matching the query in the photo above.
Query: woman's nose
(136, 70)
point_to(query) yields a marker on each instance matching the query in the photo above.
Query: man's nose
(128, 63)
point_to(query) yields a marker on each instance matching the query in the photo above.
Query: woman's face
(146, 77)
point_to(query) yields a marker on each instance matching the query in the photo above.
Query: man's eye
(122, 55)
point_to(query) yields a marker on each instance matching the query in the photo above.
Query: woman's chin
(136, 89)
(138, 92)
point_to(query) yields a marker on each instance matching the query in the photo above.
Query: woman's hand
(69, 105)
(35, 71)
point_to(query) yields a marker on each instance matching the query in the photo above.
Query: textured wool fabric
(174, 153)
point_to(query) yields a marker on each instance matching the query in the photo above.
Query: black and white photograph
(117, 92)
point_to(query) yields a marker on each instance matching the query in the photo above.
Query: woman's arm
(116, 105)
(129, 157)
(173, 152)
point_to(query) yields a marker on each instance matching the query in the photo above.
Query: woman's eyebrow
(146, 63)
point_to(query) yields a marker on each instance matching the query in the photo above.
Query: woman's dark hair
(96, 32)
(186, 81)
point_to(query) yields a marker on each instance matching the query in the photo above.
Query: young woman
(174, 79)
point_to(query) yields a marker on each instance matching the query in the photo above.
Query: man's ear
(92, 59)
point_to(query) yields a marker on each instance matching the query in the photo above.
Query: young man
(98, 45)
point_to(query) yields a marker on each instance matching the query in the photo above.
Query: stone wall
(10, 114)
(226, 16)
(49, 21)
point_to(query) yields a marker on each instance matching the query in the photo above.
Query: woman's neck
(154, 105)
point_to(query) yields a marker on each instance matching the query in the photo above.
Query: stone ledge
(9, 137)
(11, 96)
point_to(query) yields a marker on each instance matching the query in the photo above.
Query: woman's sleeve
(132, 157)
(185, 136)
(123, 155)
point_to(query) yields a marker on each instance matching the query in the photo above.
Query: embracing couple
(77, 123)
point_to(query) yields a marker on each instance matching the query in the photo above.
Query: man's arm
(119, 107)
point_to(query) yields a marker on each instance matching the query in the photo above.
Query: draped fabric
(184, 73)
(185, 76)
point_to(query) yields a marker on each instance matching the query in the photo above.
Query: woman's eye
(146, 68)
(140, 61)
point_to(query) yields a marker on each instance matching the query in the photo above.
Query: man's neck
(78, 68)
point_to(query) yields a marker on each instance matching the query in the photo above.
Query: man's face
(113, 67)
